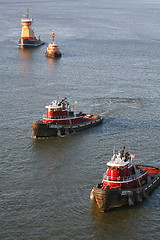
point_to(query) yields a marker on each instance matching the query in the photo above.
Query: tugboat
(124, 183)
(52, 49)
(28, 39)
(62, 120)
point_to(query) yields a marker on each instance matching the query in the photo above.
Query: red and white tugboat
(62, 120)
(52, 49)
(28, 39)
(124, 183)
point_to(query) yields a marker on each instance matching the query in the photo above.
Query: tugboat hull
(107, 199)
(29, 43)
(53, 55)
(41, 129)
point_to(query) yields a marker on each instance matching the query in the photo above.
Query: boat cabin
(58, 109)
(61, 113)
(119, 168)
(122, 172)
(27, 31)
(52, 47)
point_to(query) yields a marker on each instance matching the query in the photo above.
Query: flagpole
(75, 105)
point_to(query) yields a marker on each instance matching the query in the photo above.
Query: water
(110, 65)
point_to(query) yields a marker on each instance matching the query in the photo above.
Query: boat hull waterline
(53, 55)
(29, 43)
(41, 129)
(107, 199)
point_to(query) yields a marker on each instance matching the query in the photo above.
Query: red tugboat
(62, 120)
(124, 183)
(52, 49)
(28, 40)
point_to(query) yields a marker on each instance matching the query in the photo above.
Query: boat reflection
(106, 223)
(51, 62)
(26, 57)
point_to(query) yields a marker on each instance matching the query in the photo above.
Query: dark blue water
(110, 65)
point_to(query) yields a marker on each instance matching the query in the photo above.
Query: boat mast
(133, 157)
(75, 105)
(57, 99)
(27, 13)
(53, 35)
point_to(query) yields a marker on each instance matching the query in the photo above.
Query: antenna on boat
(53, 35)
(27, 13)
(57, 99)
(114, 150)
(75, 105)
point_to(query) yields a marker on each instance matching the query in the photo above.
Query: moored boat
(60, 120)
(52, 49)
(124, 183)
(28, 39)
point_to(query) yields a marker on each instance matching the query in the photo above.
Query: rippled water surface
(110, 65)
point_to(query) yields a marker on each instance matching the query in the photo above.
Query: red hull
(65, 121)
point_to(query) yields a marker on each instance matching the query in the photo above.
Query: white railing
(121, 179)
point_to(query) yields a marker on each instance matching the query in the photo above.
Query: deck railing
(137, 175)
(121, 179)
